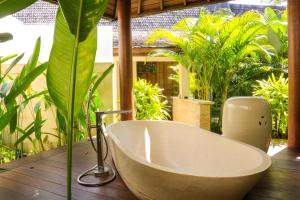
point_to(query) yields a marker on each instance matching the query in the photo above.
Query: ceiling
(148, 7)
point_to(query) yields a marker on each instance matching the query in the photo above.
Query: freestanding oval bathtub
(164, 160)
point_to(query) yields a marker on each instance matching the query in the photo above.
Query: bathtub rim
(265, 165)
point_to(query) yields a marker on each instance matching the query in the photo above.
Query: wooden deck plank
(16, 191)
(43, 176)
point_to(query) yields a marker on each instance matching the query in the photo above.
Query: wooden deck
(44, 177)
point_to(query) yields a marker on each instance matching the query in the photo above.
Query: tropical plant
(17, 95)
(278, 36)
(13, 6)
(80, 125)
(276, 92)
(71, 61)
(149, 103)
(197, 58)
(72, 58)
(6, 154)
(214, 50)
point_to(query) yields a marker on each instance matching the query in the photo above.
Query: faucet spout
(105, 171)
(101, 170)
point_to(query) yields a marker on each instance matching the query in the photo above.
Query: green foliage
(278, 36)
(149, 104)
(80, 121)
(276, 92)
(17, 95)
(6, 154)
(61, 66)
(213, 49)
(70, 65)
(224, 53)
(72, 60)
(8, 7)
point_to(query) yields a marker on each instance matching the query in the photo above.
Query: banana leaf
(72, 59)
(22, 84)
(8, 7)
(60, 69)
(27, 133)
(6, 58)
(28, 74)
(11, 66)
(7, 117)
(38, 121)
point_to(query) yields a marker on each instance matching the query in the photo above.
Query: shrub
(276, 92)
(6, 154)
(149, 103)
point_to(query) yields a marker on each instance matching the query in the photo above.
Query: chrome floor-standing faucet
(106, 172)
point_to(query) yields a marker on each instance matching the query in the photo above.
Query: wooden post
(294, 73)
(125, 56)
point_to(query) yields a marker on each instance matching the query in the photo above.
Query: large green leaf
(22, 84)
(72, 59)
(14, 119)
(12, 65)
(38, 121)
(30, 130)
(6, 118)
(6, 58)
(60, 66)
(33, 60)
(28, 74)
(82, 16)
(8, 7)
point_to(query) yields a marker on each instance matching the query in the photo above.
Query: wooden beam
(184, 2)
(125, 56)
(139, 7)
(161, 4)
(174, 7)
(115, 9)
(294, 74)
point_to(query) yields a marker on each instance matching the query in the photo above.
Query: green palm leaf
(23, 83)
(7, 117)
(8, 7)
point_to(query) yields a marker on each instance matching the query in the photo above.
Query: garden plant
(226, 54)
(71, 60)
(275, 90)
(150, 104)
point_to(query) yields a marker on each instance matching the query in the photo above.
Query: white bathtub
(164, 160)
